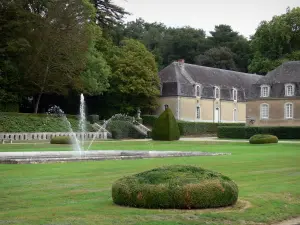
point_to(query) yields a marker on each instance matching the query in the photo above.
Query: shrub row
(247, 132)
(23, 122)
(195, 128)
(191, 128)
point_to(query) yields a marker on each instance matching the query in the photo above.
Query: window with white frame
(264, 111)
(198, 90)
(289, 90)
(234, 94)
(288, 110)
(264, 91)
(234, 115)
(166, 106)
(217, 92)
(198, 113)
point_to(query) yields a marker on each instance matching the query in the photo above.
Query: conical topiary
(165, 127)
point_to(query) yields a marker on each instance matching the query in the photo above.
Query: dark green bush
(197, 128)
(263, 139)
(61, 140)
(149, 120)
(9, 107)
(123, 129)
(93, 119)
(165, 127)
(247, 132)
(27, 122)
(177, 186)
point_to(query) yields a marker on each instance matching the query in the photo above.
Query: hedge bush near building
(263, 139)
(191, 128)
(165, 127)
(247, 132)
(124, 129)
(61, 140)
(175, 187)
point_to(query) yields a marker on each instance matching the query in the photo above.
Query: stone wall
(48, 135)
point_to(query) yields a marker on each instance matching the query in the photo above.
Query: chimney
(181, 63)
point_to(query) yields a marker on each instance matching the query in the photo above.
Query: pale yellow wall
(170, 101)
(207, 106)
(227, 108)
(187, 109)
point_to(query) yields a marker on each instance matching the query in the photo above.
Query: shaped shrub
(165, 127)
(178, 186)
(61, 140)
(263, 139)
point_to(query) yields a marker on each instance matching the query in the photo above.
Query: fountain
(82, 121)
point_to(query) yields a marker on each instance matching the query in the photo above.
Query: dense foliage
(177, 186)
(18, 122)
(248, 132)
(165, 127)
(61, 140)
(50, 51)
(276, 41)
(263, 139)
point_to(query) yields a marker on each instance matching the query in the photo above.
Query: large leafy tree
(134, 82)
(276, 41)
(57, 42)
(224, 36)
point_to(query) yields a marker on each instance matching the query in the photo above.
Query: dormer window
(264, 91)
(217, 92)
(289, 90)
(234, 94)
(198, 90)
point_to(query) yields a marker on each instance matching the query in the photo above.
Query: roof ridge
(211, 68)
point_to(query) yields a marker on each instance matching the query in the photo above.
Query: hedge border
(248, 132)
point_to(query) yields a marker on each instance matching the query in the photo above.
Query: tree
(275, 41)
(57, 46)
(107, 13)
(95, 77)
(134, 81)
(221, 57)
(224, 36)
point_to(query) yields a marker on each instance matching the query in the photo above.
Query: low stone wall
(49, 135)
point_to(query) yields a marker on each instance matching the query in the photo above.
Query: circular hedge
(61, 140)
(263, 139)
(175, 187)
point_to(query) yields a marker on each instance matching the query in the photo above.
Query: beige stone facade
(210, 110)
(276, 113)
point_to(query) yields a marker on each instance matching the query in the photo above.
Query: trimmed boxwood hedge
(61, 140)
(175, 187)
(247, 132)
(197, 128)
(165, 127)
(191, 128)
(263, 139)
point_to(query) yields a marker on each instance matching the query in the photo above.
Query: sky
(243, 16)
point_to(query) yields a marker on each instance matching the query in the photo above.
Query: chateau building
(275, 98)
(204, 94)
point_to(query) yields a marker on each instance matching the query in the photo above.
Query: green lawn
(80, 193)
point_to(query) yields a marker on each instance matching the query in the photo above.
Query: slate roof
(179, 79)
(286, 73)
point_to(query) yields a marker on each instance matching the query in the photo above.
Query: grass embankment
(27, 122)
(268, 177)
